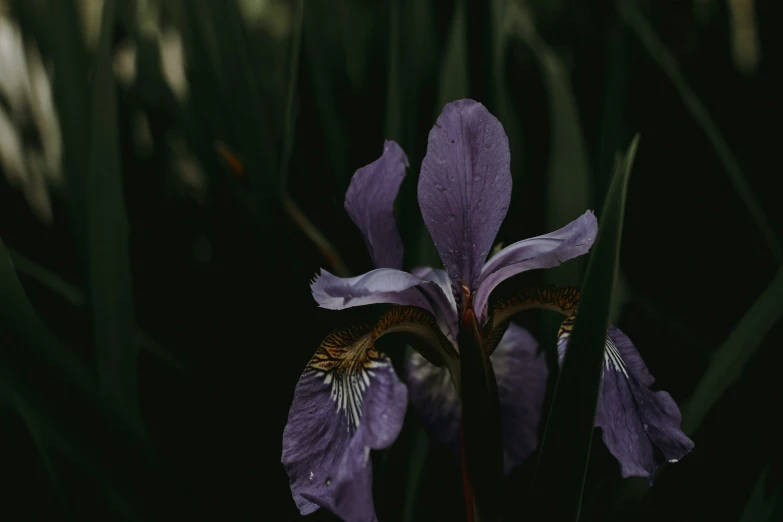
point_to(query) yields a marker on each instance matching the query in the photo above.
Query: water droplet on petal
(464, 256)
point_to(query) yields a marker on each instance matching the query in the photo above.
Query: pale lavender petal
(465, 188)
(370, 203)
(439, 277)
(385, 285)
(641, 427)
(449, 306)
(544, 251)
(347, 402)
(521, 375)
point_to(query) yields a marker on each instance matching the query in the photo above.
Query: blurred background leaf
(729, 359)
(111, 299)
(763, 504)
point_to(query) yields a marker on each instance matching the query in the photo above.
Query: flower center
(467, 303)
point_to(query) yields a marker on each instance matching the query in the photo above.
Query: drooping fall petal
(641, 427)
(347, 403)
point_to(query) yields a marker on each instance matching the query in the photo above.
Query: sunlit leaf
(56, 26)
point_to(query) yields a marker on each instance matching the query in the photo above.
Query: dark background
(220, 269)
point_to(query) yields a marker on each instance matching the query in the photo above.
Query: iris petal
(447, 306)
(370, 204)
(641, 427)
(347, 403)
(521, 375)
(544, 251)
(465, 187)
(385, 285)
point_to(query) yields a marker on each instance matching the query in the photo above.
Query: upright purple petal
(347, 402)
(385, 285)
(545, 251)
(641, 427)
(521, 375)
(370, 203)
(465, 187)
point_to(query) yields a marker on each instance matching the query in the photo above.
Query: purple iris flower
(349, 401)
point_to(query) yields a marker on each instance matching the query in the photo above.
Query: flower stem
(482, 437)
(466, 487)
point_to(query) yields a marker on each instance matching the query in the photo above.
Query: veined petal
(544, 251)
(345, 390)
(370, 203)
(347, 402)
(465, 188)
(641, 427)
(521, 375)
(449, 306)
(384, 285)
(439, 277)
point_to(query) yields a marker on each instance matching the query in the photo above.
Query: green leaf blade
(562, 464)
(762, 506)
(728, 360)
(109, 275)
